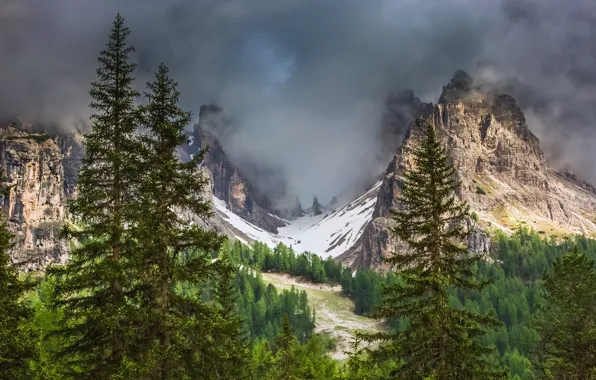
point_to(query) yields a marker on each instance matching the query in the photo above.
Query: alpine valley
(503, 172)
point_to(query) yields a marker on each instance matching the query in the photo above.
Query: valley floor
(334, 312)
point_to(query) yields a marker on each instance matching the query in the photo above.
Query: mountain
(229, 184)
(40, 172)
(328, 234)
(244, 212)
(503, 171)
(504, 175)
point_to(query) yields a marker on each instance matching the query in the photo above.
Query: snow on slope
(329, 234)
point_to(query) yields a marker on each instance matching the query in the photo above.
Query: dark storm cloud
(305, 80)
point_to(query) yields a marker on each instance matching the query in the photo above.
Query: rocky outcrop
(503, 173)
(217, 221)
(229, 185)
(34, 206)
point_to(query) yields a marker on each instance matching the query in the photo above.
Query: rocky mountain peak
(504, 175)
(458, 88)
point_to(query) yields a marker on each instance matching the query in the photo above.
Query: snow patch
(328, 234)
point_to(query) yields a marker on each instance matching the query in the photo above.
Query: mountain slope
(229, 184)
(499, 162)
(335, 312)
(328, 234)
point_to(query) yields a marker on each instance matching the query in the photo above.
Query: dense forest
(149, 295)
(515, 290)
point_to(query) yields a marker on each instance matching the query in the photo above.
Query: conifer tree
(95, 289)
(285, 354)
(566, 321)
(232, 343)
(17, 335)
(175, 251)
(439, 342)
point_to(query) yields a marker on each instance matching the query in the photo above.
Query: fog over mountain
(305, 80)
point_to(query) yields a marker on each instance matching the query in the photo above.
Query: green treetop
(566, 320)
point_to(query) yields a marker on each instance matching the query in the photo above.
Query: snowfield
(328, 234)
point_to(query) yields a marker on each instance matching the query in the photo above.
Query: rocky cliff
(32, 168)
(505, 177)
(228, 183)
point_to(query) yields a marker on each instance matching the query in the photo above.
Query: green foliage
(291, 360)
(17, 335)
(262, 306)
(285, 354)
(46, 318)
(514, 291)
(283, 259)
(480, 190)
(130, 297)
(566, 321)
(96, 288)
(474, 216)
(438, 340)
(172, 251)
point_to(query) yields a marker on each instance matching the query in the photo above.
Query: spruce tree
(95, 290)
(439, 341)
(18, 344)
(232, 343)
(285, 358)
(175, 251)
(566, 320)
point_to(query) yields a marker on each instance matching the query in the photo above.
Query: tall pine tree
(97, 287)
(285, 358)
(180, 335)
(18, 344)
(232, 342)
(439, 341)
(566, 321)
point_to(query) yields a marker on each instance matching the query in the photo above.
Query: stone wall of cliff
(34, 206)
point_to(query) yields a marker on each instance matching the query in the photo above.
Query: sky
(305, 80)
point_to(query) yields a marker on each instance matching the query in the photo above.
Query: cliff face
(34, 206)
(228, 184)
(503, 172)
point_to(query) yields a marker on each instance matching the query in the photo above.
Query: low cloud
(306, 80)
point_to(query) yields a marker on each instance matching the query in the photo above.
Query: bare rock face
(229, 184)
(34, 206)
(504, 175)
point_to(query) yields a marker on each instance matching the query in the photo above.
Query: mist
(305, 80)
